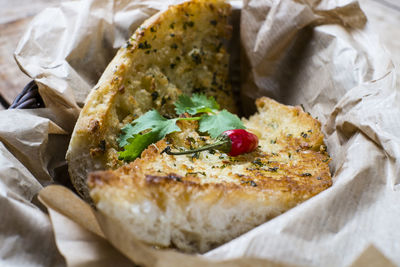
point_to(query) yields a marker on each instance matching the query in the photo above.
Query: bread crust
(195, 204)
(176, 51)
(190, 203)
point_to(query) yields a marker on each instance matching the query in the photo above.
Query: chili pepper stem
(223, 144)
(190, 119)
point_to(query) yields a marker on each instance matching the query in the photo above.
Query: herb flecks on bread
(197, 202)
(178, 51)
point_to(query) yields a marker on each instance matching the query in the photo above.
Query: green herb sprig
(152, 127)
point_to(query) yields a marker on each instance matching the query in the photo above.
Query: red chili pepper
(241, 141)
(234, 142)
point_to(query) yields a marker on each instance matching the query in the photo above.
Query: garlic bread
(178, 51)
(197, 202)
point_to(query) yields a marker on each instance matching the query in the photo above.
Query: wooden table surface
(15, 15)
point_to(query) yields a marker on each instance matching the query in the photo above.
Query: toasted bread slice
(197, 202)
(177, 51)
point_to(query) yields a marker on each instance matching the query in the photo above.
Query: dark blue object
(29, 98)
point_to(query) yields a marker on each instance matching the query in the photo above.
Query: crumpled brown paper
(320, 54)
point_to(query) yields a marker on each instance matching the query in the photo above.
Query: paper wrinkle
(25, 166)
(321, 54)
(15, 177)
(94, 250)
(27, 137)
(369, 259)
(23, 224)
(24, 244)
(289, 53)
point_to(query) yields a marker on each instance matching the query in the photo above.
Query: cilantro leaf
(134, 143)
(220, 122)
(208, 102)
(198, 103)
(150, 120)
(183, 104)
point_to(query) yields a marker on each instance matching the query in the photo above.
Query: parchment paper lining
(320, 54)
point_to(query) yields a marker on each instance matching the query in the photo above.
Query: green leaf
(214, 125)
(198, 103)
(157, 128)
(202, 100)
(183, 104)
(152, 127)
(138, 143)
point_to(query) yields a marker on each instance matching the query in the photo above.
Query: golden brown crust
(280, 174)
(174, 52)
(292, 180)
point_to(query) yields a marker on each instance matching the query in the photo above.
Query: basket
(29, 98)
